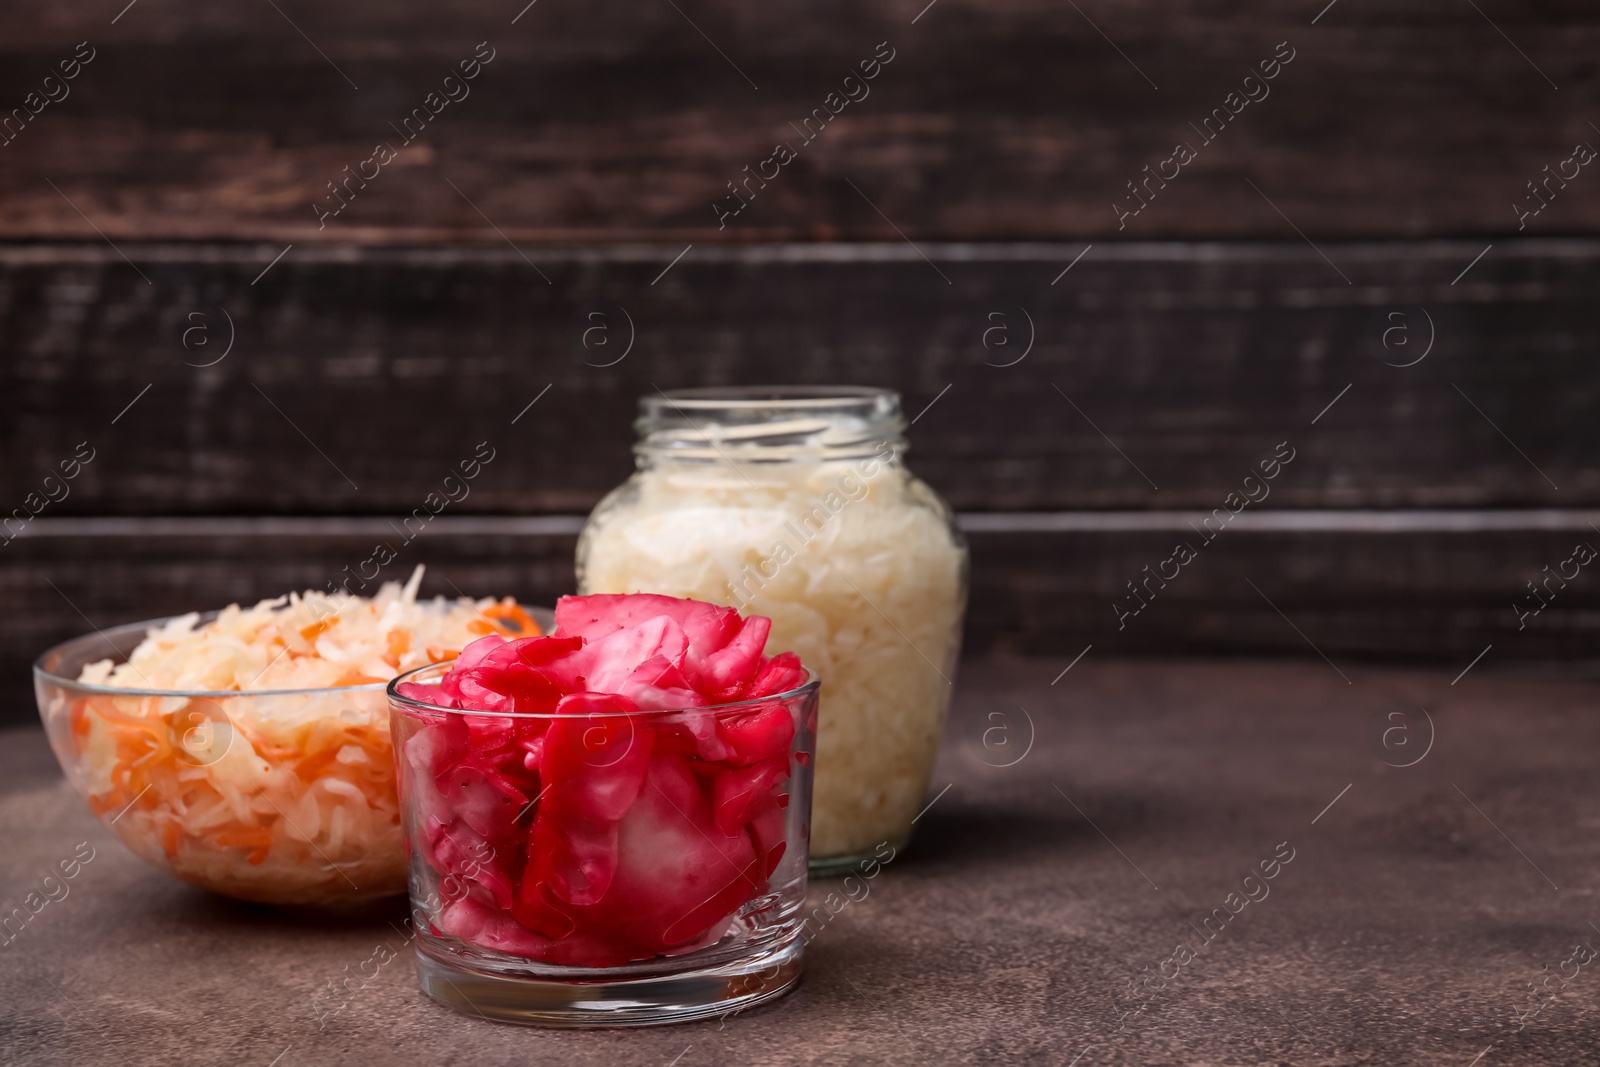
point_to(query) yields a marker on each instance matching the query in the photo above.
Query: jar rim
(768, 422)
(716, 397)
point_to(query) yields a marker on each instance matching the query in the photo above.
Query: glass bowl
(607, 868)
(271, 796)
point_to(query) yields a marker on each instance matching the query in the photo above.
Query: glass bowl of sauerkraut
(247, 751)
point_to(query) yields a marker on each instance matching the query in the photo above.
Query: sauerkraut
(858, 567)
(241, 784)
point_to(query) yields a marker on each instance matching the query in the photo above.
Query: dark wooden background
(456, 288)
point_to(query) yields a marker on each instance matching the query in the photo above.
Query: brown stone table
(1420, 903)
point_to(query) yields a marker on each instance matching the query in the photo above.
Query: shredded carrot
(311, 768)
(223, 791)
(399, 643)
(252, 837)
(513, 621)
(79, 721)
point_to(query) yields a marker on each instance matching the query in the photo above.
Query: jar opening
(769, 423)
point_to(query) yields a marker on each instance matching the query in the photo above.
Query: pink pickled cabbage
(606, 834)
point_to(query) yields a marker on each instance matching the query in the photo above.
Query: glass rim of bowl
(812, 683)
(57, 652)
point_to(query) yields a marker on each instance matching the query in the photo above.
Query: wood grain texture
(358, 378)
(615, 121)
(1355, 587)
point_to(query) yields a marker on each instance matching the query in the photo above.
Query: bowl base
(627, 1001)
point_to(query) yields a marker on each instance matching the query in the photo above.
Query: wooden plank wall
(1007, 119)
(1350, 239)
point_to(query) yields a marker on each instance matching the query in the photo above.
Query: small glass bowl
(606, 869)
(271, 796)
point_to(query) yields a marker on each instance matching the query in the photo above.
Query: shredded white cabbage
(871, 600)
(270, 796)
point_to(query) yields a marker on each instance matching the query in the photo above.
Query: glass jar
(597, 869)
(794, 503)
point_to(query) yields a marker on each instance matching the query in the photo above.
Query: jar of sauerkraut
(794, 503)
